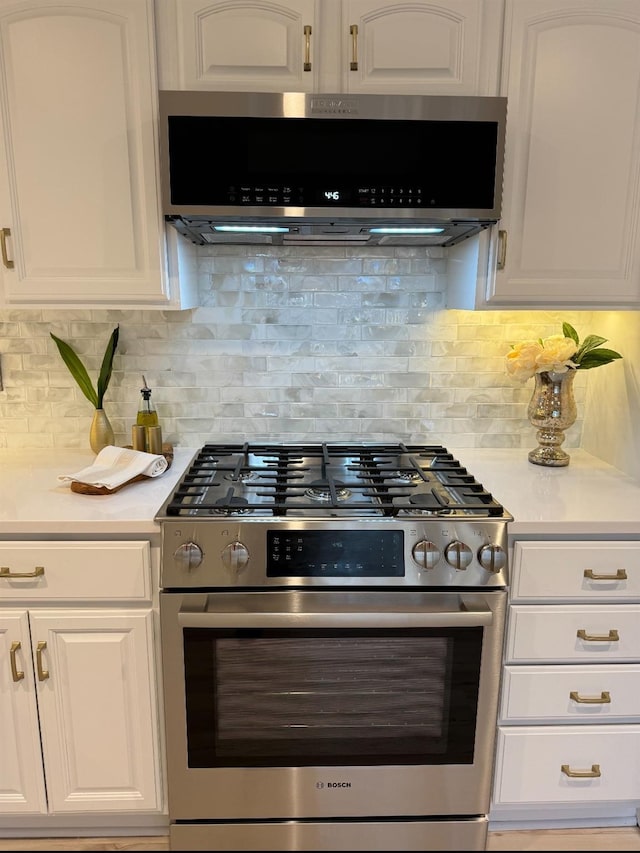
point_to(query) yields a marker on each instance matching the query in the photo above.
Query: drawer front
(579, 571)
(571, 694)
(530, 761)
(75, 570)
(570, 633)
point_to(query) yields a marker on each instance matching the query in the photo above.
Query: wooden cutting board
(88, 489)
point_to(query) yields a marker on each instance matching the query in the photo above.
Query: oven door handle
(453, 619)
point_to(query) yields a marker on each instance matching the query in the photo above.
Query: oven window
(280, 697)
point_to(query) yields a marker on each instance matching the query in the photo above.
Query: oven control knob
(235, 556)
(458, 555)
(426, 554)
(188, 556)
(492, 558)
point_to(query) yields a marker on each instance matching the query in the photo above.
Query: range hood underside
(201, 230)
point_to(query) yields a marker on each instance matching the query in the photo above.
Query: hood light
(253, 229)
(406, 230)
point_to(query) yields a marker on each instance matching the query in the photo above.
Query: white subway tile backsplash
(312, 344)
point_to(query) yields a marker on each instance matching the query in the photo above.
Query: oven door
(314, 704)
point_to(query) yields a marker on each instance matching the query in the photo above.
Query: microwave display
(325, 163)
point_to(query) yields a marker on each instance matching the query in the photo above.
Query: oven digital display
(335, 553)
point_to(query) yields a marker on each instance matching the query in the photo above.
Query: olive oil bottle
(147, 415)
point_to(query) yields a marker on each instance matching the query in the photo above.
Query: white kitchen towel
(114, 466)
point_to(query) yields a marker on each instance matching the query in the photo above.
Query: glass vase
(552, 410)
(101, 431)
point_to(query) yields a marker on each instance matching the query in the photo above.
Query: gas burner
(405, 476)
(428, 503)
(242, 477)
(320, 490)
(231, 506)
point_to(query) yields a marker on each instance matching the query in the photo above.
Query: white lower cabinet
(568, 764)
(568, 744)
(78, 697)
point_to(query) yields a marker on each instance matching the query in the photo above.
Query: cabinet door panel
(248, 46)
(572, 166)
(21, 774)
(571, 694)
(77, 93)
(77, 570)
(450, 47)
(97, 709)
(529, 764)
(537, 634)
(585, 571)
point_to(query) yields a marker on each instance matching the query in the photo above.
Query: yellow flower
(521, 359)
(557, 354)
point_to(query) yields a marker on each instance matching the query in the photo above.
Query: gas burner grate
(334, 479)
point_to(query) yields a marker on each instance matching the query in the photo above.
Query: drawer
(571, 694)
(550, 633)
(76, 570)
(579, 571)
(529, 762)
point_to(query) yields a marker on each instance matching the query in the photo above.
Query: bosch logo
(321, 785)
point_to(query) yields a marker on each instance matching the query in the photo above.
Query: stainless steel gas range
(332, 620)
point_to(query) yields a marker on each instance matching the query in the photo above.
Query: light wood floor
(618, 838)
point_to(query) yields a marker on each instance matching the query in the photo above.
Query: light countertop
(33, 500)
(588, 497)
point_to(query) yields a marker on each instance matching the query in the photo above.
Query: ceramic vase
(101, 432)
(552, 410)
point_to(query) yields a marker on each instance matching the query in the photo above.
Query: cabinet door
(98, 713)
(79, 190)
(571, 73)
(575, 571)
(238, 46)
(601, 764)
(571, 694)
(21, 775)
(451, 47)
(570, 633)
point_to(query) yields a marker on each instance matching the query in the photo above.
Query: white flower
(555, 354)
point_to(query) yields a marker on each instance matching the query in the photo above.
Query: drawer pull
(306, 66)
(4, 233)
(603, 699)
(16, 674)
(353, 30)
(43, 673)
(620, 575)
(594, 773)
(611, 637)
(5, 572)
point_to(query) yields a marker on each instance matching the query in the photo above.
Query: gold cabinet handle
(4, 233)
(502, 250)
(16, 674)
(594, 773)
(603, 699)
(5, 572)
(307, 48)
(353, 29)
(43, 673)
(611, 637)
(620, 575)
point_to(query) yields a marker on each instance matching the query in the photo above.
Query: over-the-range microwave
(293, 168)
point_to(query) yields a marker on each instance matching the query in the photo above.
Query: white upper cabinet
(571, 210)
(236, 46)
(79, 207)
(450, 47)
